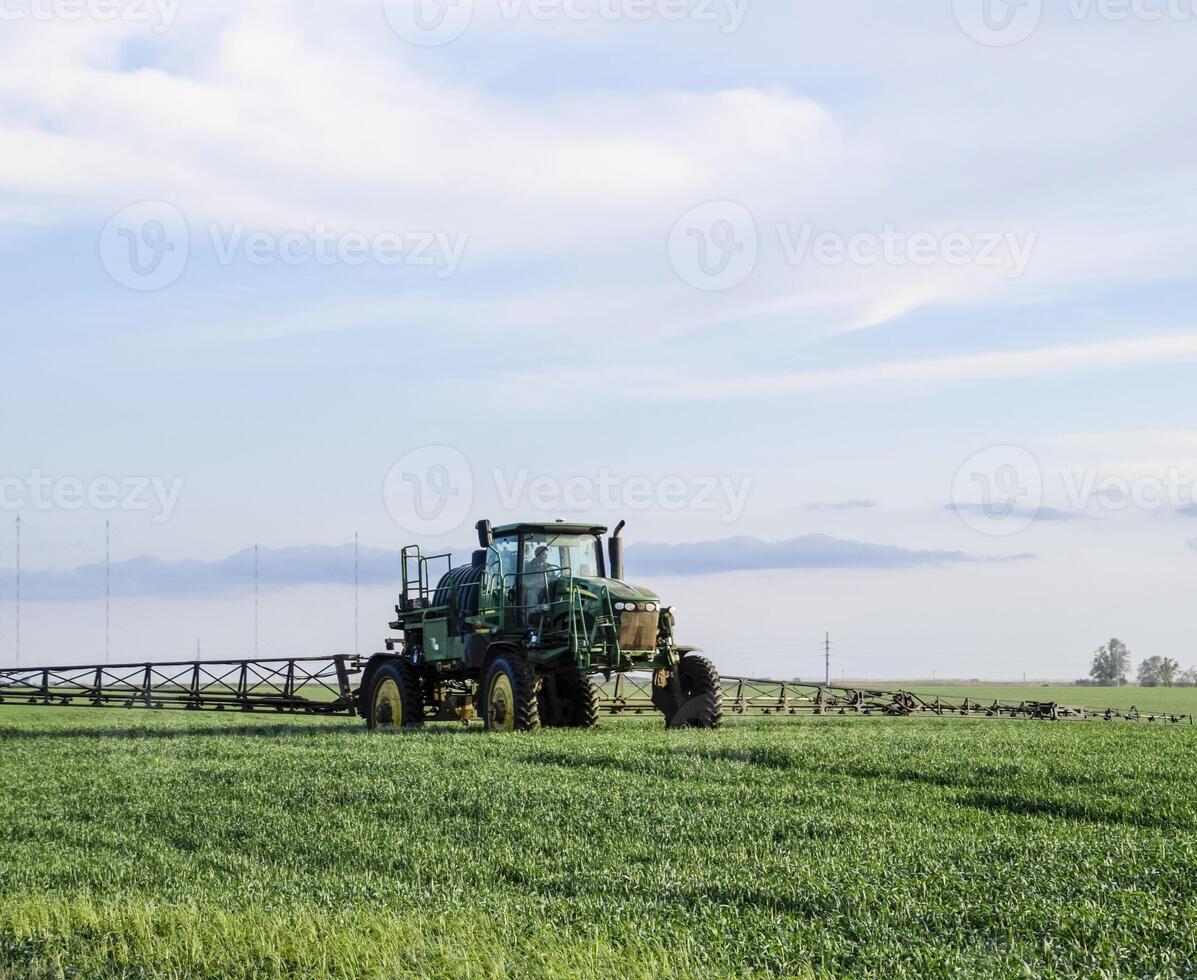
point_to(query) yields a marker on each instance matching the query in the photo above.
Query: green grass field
(150, 844)
(1176, 700)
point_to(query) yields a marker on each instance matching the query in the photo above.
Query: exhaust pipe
(615, 551)
(486, 534)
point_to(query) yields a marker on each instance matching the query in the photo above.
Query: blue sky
(560, 173)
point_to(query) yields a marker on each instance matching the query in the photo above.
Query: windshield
(576, 552)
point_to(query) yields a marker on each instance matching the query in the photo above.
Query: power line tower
(256, 627)
(827, 660)
(107, 591)
(356, 582)
(18, 526)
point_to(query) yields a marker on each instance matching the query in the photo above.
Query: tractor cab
(553, 585)
(529, 567)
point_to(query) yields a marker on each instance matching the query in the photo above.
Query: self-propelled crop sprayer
(538, 629)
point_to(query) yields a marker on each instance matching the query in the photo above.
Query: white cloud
(285, 117)
(971, 367)
(277, 128)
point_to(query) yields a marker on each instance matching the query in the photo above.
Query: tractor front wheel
(509, 694)
(393, 698)
(691, 698)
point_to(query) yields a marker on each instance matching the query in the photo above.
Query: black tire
(393, 698)
(569, 698)
(701, 701)
(509, 700)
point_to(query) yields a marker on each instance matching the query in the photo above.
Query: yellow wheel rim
(500, 704)
(388, 705)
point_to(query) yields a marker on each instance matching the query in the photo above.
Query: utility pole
(827, 661)
(18, 591)
(107, 591)
(356, 582)
(256, 628)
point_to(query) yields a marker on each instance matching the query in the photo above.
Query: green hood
(618, 589)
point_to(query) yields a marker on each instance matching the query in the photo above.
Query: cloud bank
(153, 578)
(808, 551)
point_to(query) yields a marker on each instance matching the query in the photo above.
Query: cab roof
(552, 527)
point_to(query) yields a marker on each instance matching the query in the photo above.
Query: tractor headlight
(650, 607)
(619, 606)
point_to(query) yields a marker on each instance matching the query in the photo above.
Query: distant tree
(1149, 672)
(1111, 663)
(1188, 678)
(1158, 672)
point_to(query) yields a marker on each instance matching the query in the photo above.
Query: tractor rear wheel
(509, 693)
(700, 704)
(393, 699)
(569, 699)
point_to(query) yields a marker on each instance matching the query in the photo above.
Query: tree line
(1112, 664)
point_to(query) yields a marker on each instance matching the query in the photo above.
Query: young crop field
(156, 843)
(1172, 700)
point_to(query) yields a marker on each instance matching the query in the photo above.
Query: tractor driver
(536, 579)
(540, 563)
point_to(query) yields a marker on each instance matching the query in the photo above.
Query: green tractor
(523, 634)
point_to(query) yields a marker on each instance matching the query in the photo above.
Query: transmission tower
(18, 526)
